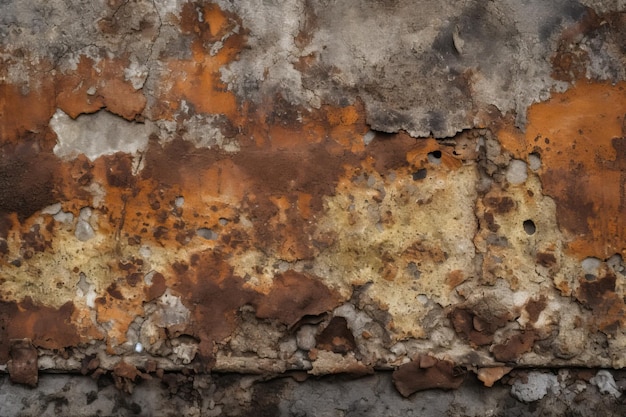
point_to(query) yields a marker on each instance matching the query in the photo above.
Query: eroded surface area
(321, 187)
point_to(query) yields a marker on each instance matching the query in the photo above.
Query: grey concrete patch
(332, 396)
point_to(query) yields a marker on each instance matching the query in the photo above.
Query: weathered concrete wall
(261, 187)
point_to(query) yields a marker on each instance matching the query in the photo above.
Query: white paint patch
(98, 134)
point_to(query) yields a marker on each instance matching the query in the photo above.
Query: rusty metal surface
(167, 204)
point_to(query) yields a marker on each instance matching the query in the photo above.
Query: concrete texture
(434, 190)
(524, 394)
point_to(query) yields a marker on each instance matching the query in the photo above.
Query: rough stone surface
(232, 395)
(313, 187)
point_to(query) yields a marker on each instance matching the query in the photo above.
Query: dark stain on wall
(27, 179)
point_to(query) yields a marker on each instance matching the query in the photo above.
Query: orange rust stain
(293, 137)
(213, 294)
(197, 81)
(304, 205)
(278, 182)
(72, 97)
(24, 109)
(599, 295)
(347, 125)
(216, 19)
(581, 139)
(118, 309)
(95, 85)
(455, 278)
(418, 156)
(294, 295)
(47, 327)
(283, 204)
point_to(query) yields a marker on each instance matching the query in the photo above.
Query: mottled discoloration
(22, 366)
(46, 327)
(319, 188)
(577, 134)
(294, 295)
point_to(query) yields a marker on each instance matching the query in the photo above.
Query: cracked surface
(311, 186)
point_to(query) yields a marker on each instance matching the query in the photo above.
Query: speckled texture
(312, 186)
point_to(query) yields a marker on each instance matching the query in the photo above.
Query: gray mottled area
(334, 396)
(426, 67)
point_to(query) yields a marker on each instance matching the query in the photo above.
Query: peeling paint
(311, 188)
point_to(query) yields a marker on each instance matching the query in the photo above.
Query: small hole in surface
(529, 227)
(420, 174)
(434, 157)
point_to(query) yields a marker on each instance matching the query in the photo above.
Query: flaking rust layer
(165, 204)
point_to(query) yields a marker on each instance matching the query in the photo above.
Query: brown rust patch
(33, 241)
(578, 135)
(500, 205)
(546, 259)
(535, 307)
(119, 170)
(294, 295)
(115, 292)
(571, 60)
(594, 293)
(125, 370)
(455, 278)
(197, 80)
(47, 327)
(609, 310)
(28, 179)
(515, 346)
(157, 288)
(106, 78)
(427, 372)
(474, 325)
(23, 363)
(124, 374)
(390, 150)
(279, 181)
(214, 295)
(15, 122)
(489, 376)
